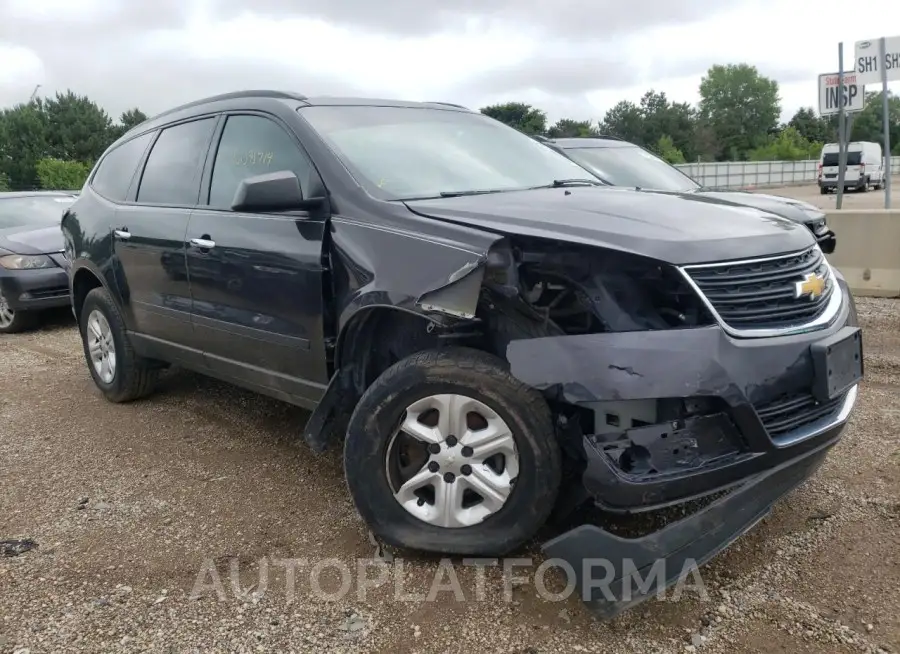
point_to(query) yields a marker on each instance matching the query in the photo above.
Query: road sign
(853, 97)
(868, 63)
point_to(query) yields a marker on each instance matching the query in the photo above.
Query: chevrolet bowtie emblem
(812, 286)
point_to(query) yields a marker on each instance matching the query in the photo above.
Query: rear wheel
(447, 452)
(12, 321)
(116, 369)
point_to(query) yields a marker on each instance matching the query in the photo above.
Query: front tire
(13, 322)
(119, 373)
(483, 491)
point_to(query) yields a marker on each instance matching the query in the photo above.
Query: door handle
(122, 234)
(203, 243)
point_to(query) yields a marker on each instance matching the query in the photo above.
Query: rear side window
(172, 172)
(252, 145)
(114, 175)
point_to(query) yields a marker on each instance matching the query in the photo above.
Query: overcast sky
(573, 58)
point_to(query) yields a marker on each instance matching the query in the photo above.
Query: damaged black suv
(492, 335)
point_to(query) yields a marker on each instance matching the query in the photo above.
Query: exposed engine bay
(569, 289)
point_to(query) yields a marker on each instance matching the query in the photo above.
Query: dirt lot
(852, 199)
(126, 503)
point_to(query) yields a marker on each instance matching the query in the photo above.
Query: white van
(865, 167)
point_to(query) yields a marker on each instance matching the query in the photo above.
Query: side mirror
(278, 191)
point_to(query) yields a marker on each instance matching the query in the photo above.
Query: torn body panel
(426, 286)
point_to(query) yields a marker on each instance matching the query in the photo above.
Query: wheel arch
(85, 278)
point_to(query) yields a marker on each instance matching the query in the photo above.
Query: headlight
(26, 262)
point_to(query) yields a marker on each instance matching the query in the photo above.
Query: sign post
(883, 67)
(841, 94)
(882, 47)
(843, 136)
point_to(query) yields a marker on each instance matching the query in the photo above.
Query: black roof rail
(450, 104)
(256, 93)
(542, 139)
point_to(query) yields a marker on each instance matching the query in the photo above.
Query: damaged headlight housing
(26, 262)
(580, 289)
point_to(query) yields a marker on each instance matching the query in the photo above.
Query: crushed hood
(678, 229)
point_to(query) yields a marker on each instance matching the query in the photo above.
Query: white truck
(865, 167)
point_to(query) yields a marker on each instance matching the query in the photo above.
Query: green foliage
(523, 117)
(788, 145)
(868, 123)
(813, 127)
(66, 127)
(60, 175)
(54, 142)
(568, 128)
(741, 106)
(666, 149)
(23, 140)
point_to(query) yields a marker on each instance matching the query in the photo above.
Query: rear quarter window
(113, 177)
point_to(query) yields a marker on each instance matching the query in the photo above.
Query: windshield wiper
(456, 194)
(560, 183)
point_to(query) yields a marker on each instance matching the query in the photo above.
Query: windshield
(632, 166)
(854, 158)
(404, 153)
(37, 210)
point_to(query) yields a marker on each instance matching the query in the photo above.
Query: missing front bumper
(633, 570)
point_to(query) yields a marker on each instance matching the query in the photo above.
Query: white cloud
(572, 62)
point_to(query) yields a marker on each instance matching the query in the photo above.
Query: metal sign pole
(882, 49)
(842, 128)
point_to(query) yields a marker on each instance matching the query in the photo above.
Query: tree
(568, 128)
(23, 141)
(662, 118)
(666, 149)
(59, 175)
(625, 121)
(4, 182)
(867, 124)
(128, 119)
(77, 129)
(813, 127)
(519, 115)
(789, 145)
(741, 107)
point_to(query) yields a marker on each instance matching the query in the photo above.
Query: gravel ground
(131, 506)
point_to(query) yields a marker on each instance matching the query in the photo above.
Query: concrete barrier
(868, 250)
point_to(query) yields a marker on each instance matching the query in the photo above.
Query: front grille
(761, 294)
(791, 412)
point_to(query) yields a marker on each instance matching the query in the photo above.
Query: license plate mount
(838, 363)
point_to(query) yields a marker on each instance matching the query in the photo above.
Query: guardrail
(868, 250)
(751, 174)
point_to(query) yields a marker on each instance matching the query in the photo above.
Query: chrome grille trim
(823, 319)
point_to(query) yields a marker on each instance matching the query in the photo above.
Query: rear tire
(431, 515)
(129, 376)
(823, 190)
